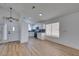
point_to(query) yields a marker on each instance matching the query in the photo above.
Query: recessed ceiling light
(40, 14)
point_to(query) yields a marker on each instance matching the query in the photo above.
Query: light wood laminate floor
(36, 47)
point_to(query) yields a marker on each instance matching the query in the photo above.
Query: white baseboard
(52, 39)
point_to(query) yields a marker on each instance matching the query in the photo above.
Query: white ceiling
(49, 10)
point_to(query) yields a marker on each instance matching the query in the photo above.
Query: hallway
(36, 48)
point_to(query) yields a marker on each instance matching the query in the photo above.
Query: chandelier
(11, 18)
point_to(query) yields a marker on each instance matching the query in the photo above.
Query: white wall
(1, 32)
(24, 32)
(4, 32)
(69, 30)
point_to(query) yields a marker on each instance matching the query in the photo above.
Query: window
(29, 27)
(52, 29)
(55, 29)
(48, 29)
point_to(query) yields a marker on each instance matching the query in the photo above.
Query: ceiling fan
(10, 18)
